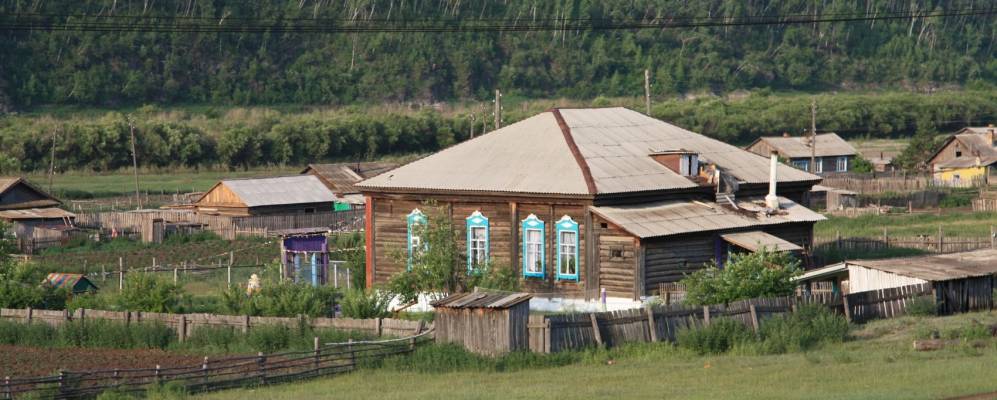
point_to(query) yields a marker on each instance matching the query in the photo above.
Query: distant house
(261, 196)
(833, 154)
(73, 283)
(578, 201)
(32, 212)
(965, 158)
(341, 177)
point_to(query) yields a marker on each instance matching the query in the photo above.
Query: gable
(16, 193)
(220, 195)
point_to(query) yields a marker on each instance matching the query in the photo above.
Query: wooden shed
(485, 323)
(961, 281)
(74, 283)
(263, 196)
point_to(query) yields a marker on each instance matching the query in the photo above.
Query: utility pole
(647, 91)
(498, 109)
(131, 129)
(51, 164)
(813, 135)
(473, 118)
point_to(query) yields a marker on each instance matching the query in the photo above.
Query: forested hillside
(134, 68)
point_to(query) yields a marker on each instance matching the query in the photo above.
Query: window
(310, 210)
(616, 252)
(802, 164)
(567, 249)
(477, 240)
(958, 154)
(842, 164)
(819, 163)
(533, 247)
(416, 222)
(689, 164)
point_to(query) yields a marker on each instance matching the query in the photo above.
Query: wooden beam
(369, 238)
(514, 236)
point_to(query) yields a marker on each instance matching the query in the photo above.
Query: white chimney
(771, 200)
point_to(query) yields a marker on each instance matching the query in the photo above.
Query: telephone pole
(498, 109)
(813, 135)
(473, 118)
(51, 164)
(647, 91)
(131, 130)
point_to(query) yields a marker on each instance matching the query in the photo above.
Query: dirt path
(20, 361)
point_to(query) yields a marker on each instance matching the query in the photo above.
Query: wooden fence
(226, 373)
(938, 243)
(227, 227)
(985, 205)
(879, 182)
(553, 333)
(185, 324)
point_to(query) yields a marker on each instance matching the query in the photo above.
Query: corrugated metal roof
(68, 281)
(530, 156)
(828, 145)
(36, 213)
(977, 144)
(344, 175)
(824, 272)
(298, 189)
(938, 267)
(756, 240)
(6, 183)
(482, 300)
(679, 217)
(534, 156)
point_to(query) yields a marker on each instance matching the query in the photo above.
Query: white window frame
(567, 253)
(842, 164)
(533, 256)
(819, 165)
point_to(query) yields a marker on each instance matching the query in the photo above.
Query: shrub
(281, 300)
(365, 304)
(803, 330)
(147, 292)
(745, 276)
(269, 338)
(721, 335)
(923, 306)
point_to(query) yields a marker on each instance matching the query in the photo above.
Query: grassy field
(879, 363)
(77, 185)
(954, 223)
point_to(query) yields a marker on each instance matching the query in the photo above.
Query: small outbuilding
(263, 196)
(485, 323)
(74, 283)
(304, 255)
(961, 281)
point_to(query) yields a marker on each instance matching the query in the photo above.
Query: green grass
(878, 364)
(82, 185)
(954, 224)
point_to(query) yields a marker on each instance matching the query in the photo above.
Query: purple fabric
(306, 243)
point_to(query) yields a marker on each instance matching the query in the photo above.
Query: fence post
(117, 376)
(175, 276)
(121, 274)
(993, 237)
(29, 315)
(62, 382)
(411, 343)
(318, 352)
(706, 315)
(886, 237)
(261, 361)
(103, 273)
(204, 370)
(231, 260)
(245, 324)
(157, 374)
(182, 328)
(6, 388)
(377, 326)
(754, 317)
(941, 241)
(595, 330)
(848, 308)
(353, 354)
(837, 239)
(651, 326)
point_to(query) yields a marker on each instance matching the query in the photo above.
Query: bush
(745, 276)
(281, 300)
(149, 293)
(365, 304)
(810, 326)
(269, 338)
(923, 306)
(721, 335)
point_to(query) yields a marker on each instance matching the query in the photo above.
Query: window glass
(534, 248)
(568, 253)
(477, 240)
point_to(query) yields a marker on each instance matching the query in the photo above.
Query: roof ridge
(582, 164)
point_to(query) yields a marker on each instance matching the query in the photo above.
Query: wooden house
(263, 196)
(32, 213)
(961, 281)
(340, 178)
(580, 200)
(969, 157)
(833, 154)
(485, 323)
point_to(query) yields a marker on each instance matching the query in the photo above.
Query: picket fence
(554, 333)
(185, 324)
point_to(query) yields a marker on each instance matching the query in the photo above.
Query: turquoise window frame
(533, 223)
(413, 219)
(566, 224)
(476, 220)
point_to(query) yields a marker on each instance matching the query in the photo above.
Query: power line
(26, 22)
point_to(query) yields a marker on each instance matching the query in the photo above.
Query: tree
(861, 165)
(744, 276)
(915, 155)
(439, 268)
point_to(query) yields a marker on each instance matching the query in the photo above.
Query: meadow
(954, 223)
(90, 185)
(877, 363)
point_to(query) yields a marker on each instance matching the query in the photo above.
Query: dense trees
(110, 69)
(247, 137)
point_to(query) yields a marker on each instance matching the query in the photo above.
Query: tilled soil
(21, 361)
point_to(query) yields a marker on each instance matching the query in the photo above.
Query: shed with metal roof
(484, 323)
(73, 283)
(257, 196)
(831, 153)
